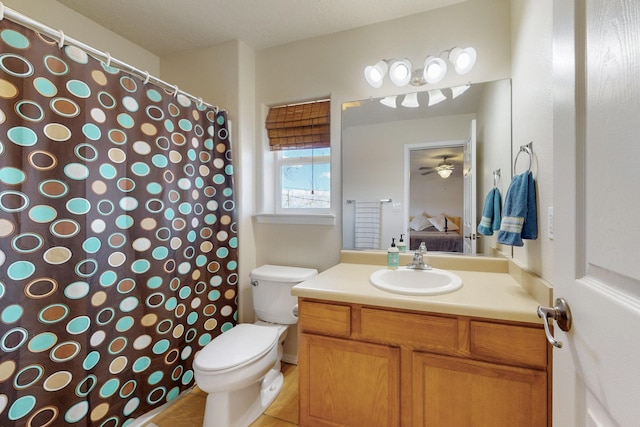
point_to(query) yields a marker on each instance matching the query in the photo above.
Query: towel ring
(526, 149)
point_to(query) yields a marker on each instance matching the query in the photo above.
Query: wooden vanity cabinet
(371, 366)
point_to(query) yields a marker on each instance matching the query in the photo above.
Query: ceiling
(167, 26)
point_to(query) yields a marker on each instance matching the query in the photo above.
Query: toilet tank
(271, 289)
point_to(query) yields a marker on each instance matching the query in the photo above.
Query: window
(299, 136)
(303, 177)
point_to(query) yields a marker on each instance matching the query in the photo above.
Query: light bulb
(434, 69)
(374, 74)
(389, 101)
(463, 59)
(436, 96)
(410, 100)
(400, 72)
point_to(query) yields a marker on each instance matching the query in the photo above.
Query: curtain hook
(146, 78)
(200, 102)
(61, 41)
(1, 11)
(108, 64)
(176, 90)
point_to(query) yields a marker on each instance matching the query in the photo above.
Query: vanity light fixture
(444, 169)
(436, 96)
(401, 71)
(456, 91)
(389, 101)
(411, 100)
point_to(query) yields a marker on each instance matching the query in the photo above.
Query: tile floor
(189, 409)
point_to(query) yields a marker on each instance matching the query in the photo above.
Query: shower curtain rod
(105, 57)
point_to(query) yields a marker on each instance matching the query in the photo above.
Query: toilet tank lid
(239, 345)
(280, 273)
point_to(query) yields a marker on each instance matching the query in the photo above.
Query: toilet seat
(239, 346)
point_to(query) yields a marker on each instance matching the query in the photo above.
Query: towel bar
(349, 201)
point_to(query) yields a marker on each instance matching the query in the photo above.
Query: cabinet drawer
(422, 332)
(509, 344)
(326, 319)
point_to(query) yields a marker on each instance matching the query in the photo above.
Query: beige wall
(493, 133)
(533, 117)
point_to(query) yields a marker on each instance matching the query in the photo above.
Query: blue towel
(490, 221)
(520, 220)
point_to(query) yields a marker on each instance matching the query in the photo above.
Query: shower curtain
(118, 240)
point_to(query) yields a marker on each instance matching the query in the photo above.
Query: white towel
(367, 225)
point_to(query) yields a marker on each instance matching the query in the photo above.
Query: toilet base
(271, 386)
(242, 407)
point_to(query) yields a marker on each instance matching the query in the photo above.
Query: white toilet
(240, 369)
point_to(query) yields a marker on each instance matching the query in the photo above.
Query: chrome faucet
(418, 262)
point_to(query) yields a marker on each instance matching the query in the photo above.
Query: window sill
(297, 219)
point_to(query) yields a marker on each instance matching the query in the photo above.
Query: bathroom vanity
(474, 357)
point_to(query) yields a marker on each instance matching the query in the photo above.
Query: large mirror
(409, 170)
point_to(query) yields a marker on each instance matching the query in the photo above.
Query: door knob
(561, 313)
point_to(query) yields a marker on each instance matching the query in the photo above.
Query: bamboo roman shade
(292, 127)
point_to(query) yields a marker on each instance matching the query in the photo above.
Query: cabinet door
(456, 392)
(348, 383)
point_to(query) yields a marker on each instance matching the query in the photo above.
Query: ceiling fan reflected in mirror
(444, 169)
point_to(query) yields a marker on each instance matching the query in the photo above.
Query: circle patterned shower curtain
(118, 240)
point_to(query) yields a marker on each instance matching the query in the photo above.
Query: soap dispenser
(393, 255)
(402, 246)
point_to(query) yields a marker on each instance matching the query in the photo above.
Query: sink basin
(416, 282)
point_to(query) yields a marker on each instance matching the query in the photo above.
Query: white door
(596, 374)
(469, 220)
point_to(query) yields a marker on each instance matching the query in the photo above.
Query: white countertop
(494, 295)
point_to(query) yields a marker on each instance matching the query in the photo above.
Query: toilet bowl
(240, 369)
(241, 374)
